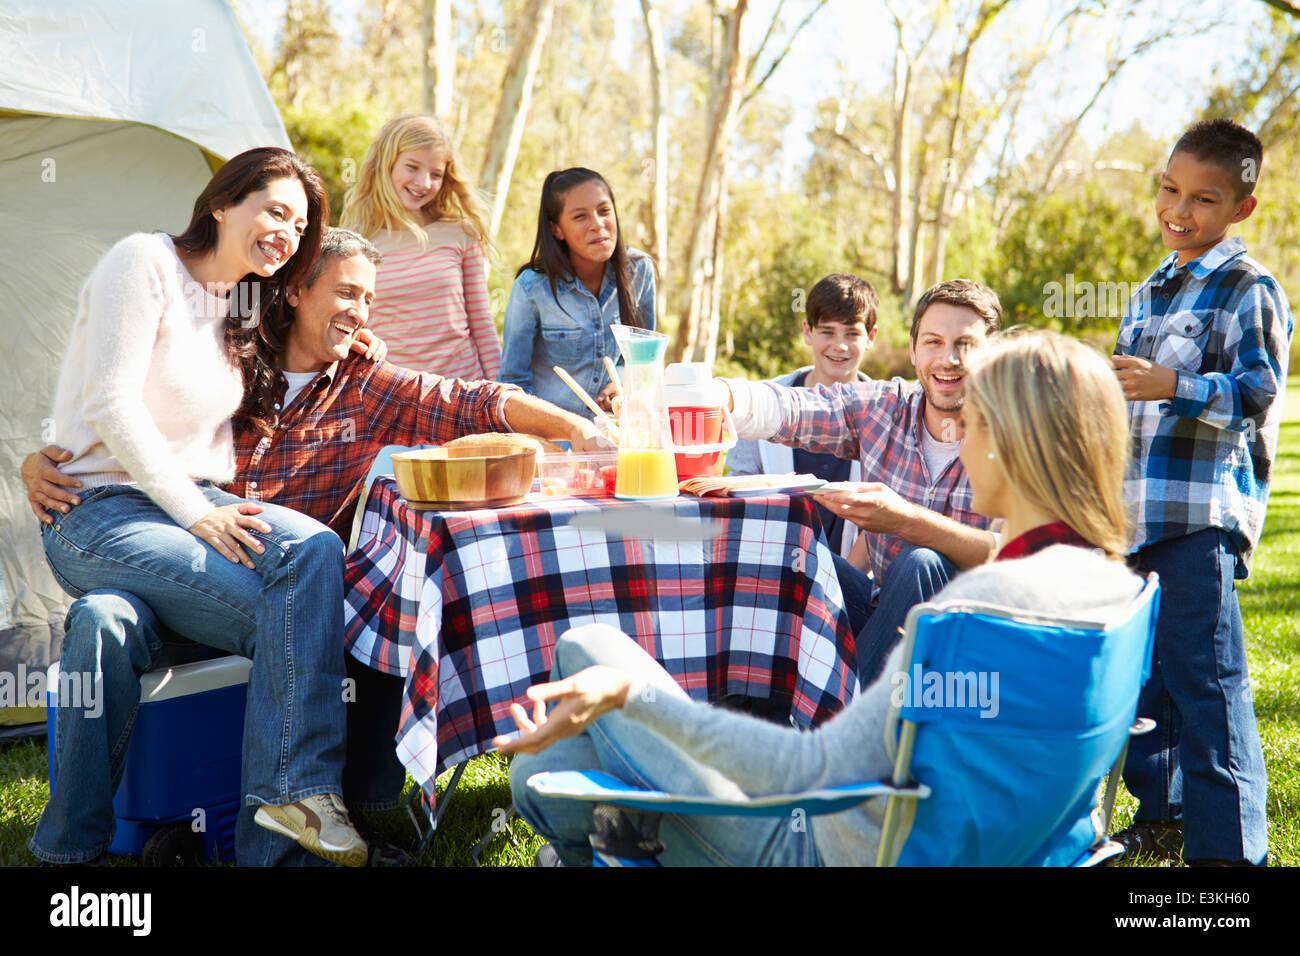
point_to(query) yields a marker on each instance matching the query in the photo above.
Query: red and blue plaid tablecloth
(468, 606)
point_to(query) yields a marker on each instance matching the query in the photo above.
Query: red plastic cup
(696, 425)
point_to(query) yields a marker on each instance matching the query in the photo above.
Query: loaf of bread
(507, 440)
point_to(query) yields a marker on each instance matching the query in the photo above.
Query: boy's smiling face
(837, 346)
(1195, 204)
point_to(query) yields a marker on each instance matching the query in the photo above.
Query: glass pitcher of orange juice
(646, 467)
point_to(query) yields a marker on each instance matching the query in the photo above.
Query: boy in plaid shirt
(1202, 358)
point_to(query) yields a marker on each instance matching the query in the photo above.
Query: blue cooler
(184, 756)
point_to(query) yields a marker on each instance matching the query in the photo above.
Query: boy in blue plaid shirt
(1202, 358)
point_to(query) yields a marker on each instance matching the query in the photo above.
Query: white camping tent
(113, 116)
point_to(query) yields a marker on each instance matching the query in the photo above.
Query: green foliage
(972, 251)
(1067, 259)
(767, 278)
(333, 139)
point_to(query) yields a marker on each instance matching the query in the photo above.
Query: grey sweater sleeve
(763, 758)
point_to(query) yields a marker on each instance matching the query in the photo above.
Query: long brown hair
(551, 256)
(241, 176)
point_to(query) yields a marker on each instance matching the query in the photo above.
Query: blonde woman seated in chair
(1046, 447)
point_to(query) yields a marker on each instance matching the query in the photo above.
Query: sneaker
(320, 825)
(382, 851)
(1162, 840)
(547, 856)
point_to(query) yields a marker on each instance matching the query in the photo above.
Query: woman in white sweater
(1046, 446)
(145, 397)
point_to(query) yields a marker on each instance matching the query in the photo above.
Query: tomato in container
(583, 474)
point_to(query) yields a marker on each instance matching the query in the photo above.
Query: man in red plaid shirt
(914, 507)
(337, 410)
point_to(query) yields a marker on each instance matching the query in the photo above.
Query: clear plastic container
(646, 470)
(584, 473)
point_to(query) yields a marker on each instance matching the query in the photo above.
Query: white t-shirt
(297, 382)
(938, 455)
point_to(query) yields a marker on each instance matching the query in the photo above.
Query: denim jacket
(539, 334)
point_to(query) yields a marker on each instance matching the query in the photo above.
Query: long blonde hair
(372, 206)
(1057, 418)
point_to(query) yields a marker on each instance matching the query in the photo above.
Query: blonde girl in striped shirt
(431, 297)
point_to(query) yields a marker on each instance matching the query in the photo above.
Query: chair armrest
(1099, 854)
(601, 787)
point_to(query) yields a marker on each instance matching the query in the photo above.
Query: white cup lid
(688, 383)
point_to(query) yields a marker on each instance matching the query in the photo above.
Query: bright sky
(854, 38)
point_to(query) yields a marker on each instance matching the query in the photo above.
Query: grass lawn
(1270, 603)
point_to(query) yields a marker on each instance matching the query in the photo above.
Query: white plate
(791, 487)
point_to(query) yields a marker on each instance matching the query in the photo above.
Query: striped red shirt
(431, 304)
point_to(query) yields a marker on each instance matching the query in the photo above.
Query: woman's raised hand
(605, 397)
(580, 701)
(370, 345)
(225, 528)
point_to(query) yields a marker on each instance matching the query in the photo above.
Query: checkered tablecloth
(467, 606)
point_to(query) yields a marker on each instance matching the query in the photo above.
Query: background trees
(976, 138)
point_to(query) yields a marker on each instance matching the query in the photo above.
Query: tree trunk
(659, 182)
(988, 9)
(697, 333)
(1286, 6)
(901, 161)
(439, 58)
(695, 297)
(914, 259)
(512, 109)
(707, 349)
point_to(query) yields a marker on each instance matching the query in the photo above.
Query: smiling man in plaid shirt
(337, 409)
(1202, 357)
(914, 508)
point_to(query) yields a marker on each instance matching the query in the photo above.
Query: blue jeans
(912, 578)
(1203, 762)
(638, 755)
(285, 614)
(373, 777)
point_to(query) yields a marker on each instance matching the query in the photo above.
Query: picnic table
(467, 606)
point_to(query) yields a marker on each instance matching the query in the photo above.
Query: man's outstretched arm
(536, 416)
(876, 507)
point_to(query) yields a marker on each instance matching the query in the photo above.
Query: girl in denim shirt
(579, 282)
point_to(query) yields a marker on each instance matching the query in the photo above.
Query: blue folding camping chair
(1007, 778)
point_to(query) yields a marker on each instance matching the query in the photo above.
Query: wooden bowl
(464, 477)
